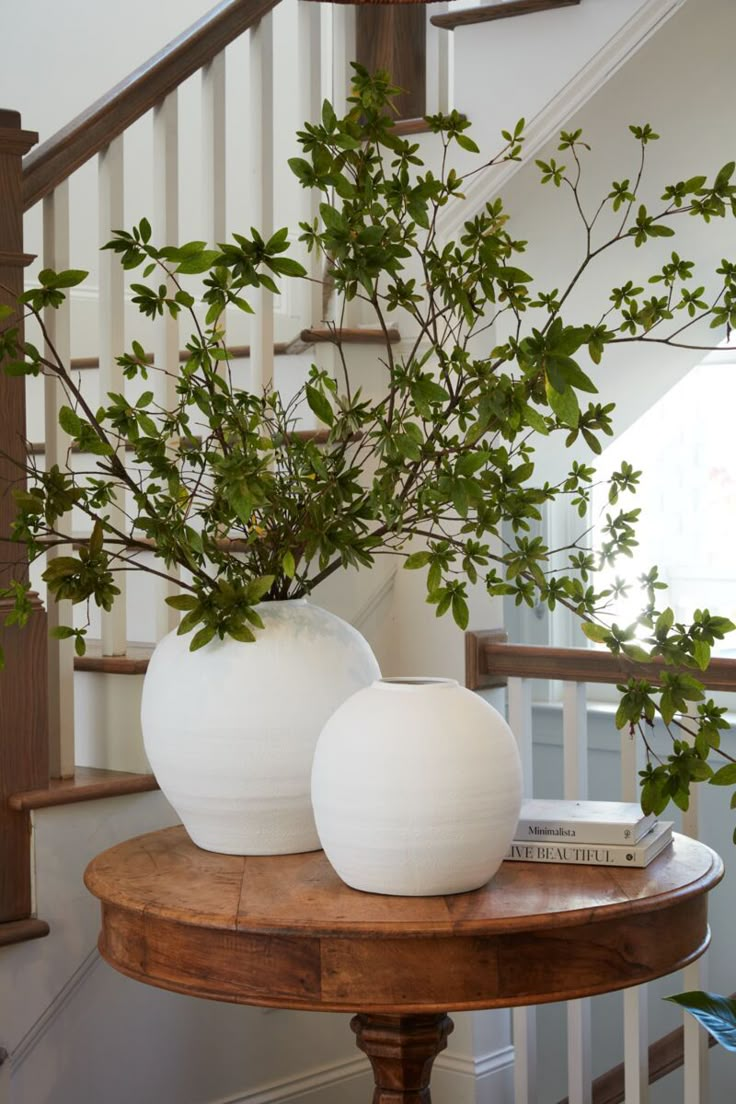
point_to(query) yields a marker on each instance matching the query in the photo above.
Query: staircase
(244, 52)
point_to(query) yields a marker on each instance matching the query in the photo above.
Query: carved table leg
(401, 1050)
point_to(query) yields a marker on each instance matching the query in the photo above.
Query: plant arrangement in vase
(243, 509)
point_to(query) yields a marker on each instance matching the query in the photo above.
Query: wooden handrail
(107, 118)
(488, 12)
(490, 660)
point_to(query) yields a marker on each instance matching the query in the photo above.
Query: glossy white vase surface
(416, 787)
(230, 729)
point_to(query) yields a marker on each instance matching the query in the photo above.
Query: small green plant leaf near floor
(240, 497)
(715, 1013)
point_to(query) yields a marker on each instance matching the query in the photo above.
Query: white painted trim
(372, 603)
(484, 1065)
(36, 1032)
(292, 1088)
(562, 107)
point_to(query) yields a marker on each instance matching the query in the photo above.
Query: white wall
(682, 82)
(79, 1031)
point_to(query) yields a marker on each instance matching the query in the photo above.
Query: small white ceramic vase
(230, 730)
(416, 788)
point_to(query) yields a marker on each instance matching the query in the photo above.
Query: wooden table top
(285, 931)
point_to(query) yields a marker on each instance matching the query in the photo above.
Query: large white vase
(416, 787)
(230, 730)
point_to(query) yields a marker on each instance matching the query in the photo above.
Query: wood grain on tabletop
(285, 931)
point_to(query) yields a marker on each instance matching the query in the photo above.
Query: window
(686, 447)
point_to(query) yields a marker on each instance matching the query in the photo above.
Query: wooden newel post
(394, 37)
(402, 1050)
(24, 753)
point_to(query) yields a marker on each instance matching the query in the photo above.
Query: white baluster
(439, 46)
(310, 80)
(629, 765)
(112, 337)
(575, 740)
(524, 1019)
(575, 757)
(519, 708)
(694, 976)
(214, 151)
(636, 1045)
(166, 230)
(58, 443)
(636, 1027)
(343, 52)
(261, 75)
(696, 1066)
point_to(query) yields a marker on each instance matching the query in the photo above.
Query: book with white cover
(582, 821)
(595, 854)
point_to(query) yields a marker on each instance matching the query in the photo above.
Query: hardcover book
(592, 854)
(547, 819)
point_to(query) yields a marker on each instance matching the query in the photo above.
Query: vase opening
(403, 682)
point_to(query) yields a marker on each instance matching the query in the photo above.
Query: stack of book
(601, 833)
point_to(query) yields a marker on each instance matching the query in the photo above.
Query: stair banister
(492, 662)
(92, 130)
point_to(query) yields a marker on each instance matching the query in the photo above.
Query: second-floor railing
(491, 662)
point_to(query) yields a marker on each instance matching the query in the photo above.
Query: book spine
(576, 854)
(578, 832)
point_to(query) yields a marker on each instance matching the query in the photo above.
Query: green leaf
(243, 634)
(70, 422)
(288, 564)
(599, 634)
(319, 405)
(182, 601)
(717, 1014)
(701, 654)
(258, 588)
(460, 611)
(725, 776)
(564, 404)
(70, 278)
(201, 638)
(201, 262)
(417, 560)
(466, 143)
(285, 266)
(96, 539)
(62, 632)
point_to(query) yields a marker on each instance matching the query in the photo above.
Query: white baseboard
(343, 1082)
(35, 1034)
(349, 1082)
(482, 1079)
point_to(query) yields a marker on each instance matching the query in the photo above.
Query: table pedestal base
(401, 1050)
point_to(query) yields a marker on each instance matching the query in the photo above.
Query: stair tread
(38, 448)
(411, 126)
(489, 12)
(88, 784)
(20, 931)
(280, 348)
(357, 336)
(134, 662)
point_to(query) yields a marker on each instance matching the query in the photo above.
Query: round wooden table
(284, 931)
